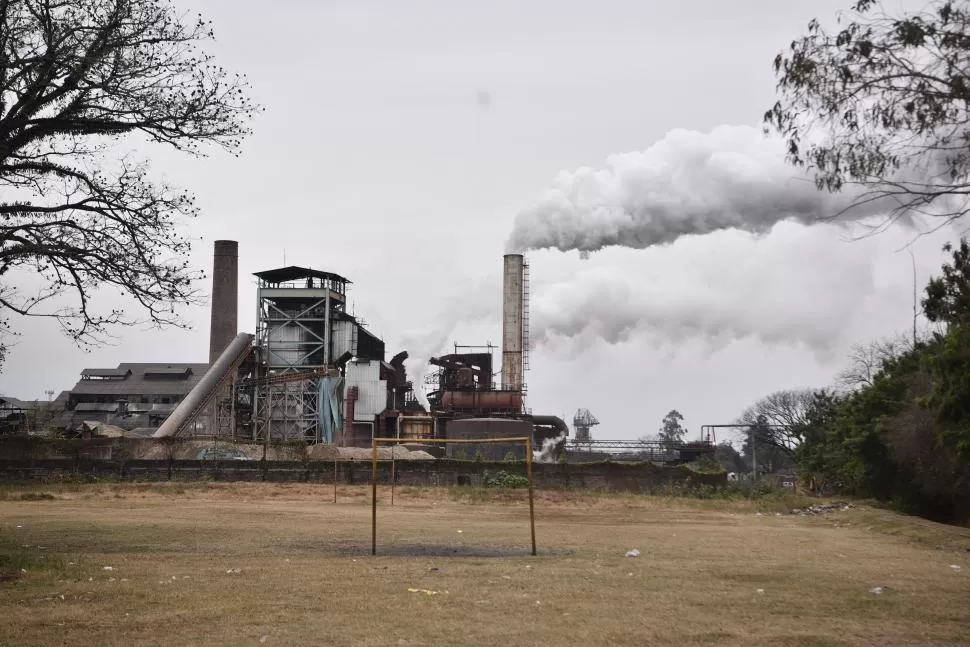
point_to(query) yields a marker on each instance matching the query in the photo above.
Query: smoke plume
(689, 182)
(795, 285)
(550, 449)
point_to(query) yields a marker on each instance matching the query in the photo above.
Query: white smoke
(688, 183)
(795, 285)
(458, 310)
(550, 446)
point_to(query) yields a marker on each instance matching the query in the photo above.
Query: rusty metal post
(532, 512)
(373, 499)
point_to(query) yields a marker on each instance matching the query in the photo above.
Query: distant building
(131, 396)
(24, 416)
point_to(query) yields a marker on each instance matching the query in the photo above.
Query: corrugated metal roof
(180, 381)
(292, 273)
(169, 370)
(104, 372)
(106, 407)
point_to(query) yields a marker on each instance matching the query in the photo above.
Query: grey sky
(376, 159)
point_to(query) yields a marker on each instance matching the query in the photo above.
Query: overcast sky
(400, 141)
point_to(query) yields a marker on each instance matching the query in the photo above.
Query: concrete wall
(604, 476)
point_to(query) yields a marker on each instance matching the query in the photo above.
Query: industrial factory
(313, 373)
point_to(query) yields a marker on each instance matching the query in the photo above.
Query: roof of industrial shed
(104, 372)
(292, 273)
(146, 379)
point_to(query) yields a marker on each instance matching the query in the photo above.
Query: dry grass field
(157, 564)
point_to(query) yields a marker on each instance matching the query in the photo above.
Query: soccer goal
(527, 442)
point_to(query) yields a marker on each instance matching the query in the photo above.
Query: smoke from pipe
(689, 182)
(547, 454)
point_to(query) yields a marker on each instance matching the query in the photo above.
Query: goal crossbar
(527, 442)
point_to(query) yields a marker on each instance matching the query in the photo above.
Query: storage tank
(477, 428)
(510, 401)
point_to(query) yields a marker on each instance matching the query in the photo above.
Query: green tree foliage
(948, 296)
(79, 79)
(671, 430)
(882, 101)
(729, 458)
(904, 437)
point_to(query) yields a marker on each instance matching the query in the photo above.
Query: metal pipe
(326, 330)
(532, 511)
(204, 391)
(373, 498)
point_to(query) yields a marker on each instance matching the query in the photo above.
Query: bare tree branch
(75, 77)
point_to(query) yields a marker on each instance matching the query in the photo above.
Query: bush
(510, 457)
(505, 480)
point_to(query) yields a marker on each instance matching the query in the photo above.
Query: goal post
(527, 442)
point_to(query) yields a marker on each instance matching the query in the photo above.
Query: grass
(712, 571)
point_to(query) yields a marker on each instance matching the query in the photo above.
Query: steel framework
(294, 329)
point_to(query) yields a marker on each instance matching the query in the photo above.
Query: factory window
(166, 400)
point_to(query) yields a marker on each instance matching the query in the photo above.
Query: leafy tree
(948, 297)
(78, 78)
(883, 102)
(729, 458)
(671, 431)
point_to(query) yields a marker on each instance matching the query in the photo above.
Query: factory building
(131, 396)
(312, 372)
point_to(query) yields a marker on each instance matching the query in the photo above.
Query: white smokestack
(512, 322)
(687, 183)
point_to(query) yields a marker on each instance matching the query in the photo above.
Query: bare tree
(779, 418)
(867, 360)
(76, 77)
(882, 102)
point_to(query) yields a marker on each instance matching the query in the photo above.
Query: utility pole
(913, 258)
(754, 453)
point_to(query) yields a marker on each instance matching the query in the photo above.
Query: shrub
(503, 479)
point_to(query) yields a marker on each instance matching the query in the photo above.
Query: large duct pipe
(204, 391)
(225, 290)
(512, 323)
(555, 422)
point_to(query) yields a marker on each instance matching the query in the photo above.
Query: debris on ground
(427, 592)
(109, 568)
(633, 553)
(231, 571)
(876, 590)
(761, 590)
(813, 510)
(955, 567)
